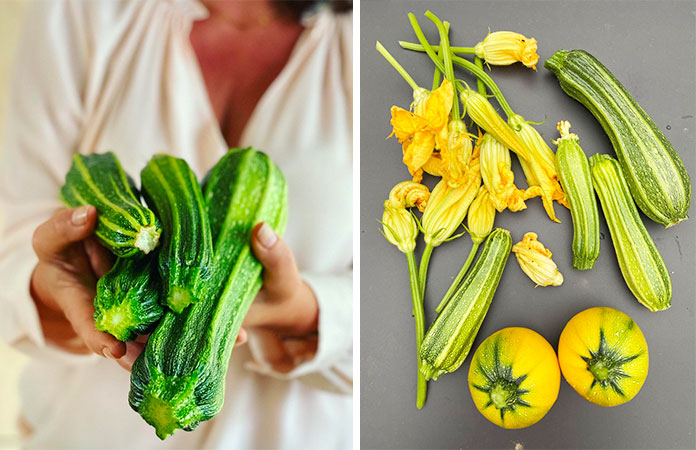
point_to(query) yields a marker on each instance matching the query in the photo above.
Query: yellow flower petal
(539, 167)
(535, 260)
(502, 48)
(399, 227)
(408, 194)
(481, 216)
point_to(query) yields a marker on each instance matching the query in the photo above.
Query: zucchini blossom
(416, 129)
(503, 48)
(499, 179)
(540, 166)
(451, 162)
(448, 205)
(481, 216)
(485, 116)
(399, 226)
(535, 260)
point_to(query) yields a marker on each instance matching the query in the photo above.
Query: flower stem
(419, 48)
(424, 42)
(419, 314)
(437, 74)
(487, 80)
(481, 87)
(395, 64)
(446, 58)
(423, 269)
(466, 64)
(455, 284)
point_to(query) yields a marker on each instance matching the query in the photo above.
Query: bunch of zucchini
(184, 270)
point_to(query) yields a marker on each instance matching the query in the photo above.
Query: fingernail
(79, 216)
(107, 353)
(267, 236)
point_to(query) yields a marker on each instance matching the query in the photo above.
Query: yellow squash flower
(540, 166)
(485, 116)
(535, 260)
(448, 205)
(452, 160)
(502, 48)
(481, 216)
(416, 129)
(398, 224)
(499, 179)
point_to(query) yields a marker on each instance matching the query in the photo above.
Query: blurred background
(11, 361)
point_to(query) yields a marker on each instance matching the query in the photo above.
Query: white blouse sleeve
(331, 367)
(44, 117)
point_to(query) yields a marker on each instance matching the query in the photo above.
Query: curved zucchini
(574, 175)
(654, 172)
(179, 380)
(641, 265)
(127, 301)
(171, 189)
(449, 339)
(124, 225)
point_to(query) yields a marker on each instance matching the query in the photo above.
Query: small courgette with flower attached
(654, 172)
(574, 175)
(603, 356)
(641, 264)
(449, 339)
(514, 377)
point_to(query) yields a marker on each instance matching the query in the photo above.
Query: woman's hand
(63, 285)
(286, 307)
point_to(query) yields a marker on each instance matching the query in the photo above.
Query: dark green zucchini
(124, 225)
(179, 380)
(655, 174)
(127, 301)
(171, 189)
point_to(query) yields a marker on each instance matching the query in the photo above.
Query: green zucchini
(449, 339)
(127, 301)
(641, 265)
(124, 225)
(574, 175)
(171, 189)
(179, 379)
(655, 174)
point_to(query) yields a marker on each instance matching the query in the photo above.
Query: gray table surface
(650, 47)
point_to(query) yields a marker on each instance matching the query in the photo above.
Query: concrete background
(650, 47)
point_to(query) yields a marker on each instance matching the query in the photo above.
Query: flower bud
(399, 227)
(481, 216)
(535, 260)
(503, 48)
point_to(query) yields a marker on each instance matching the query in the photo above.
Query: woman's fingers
(100, 258)
(242, 338)
(76, 302)
(133, 350)
(280, 276)
(66, 227)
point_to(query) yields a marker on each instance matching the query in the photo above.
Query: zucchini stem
(481, 87)
(395, 64)
(419, 48)
(457, 280)
(446, 58)
(419, 315)
(423, 269)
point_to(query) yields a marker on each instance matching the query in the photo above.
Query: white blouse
(96, 76)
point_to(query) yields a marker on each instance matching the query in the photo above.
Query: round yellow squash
(604, 356)
(514, 377)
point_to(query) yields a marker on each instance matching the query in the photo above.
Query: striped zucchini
(124, 225)
(574, 175)
(449, 339)
(640, 262)
(171, 189)
(179, 380)
(654, 172)
(127, 301)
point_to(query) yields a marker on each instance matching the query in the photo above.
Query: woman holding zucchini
(191, 79)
